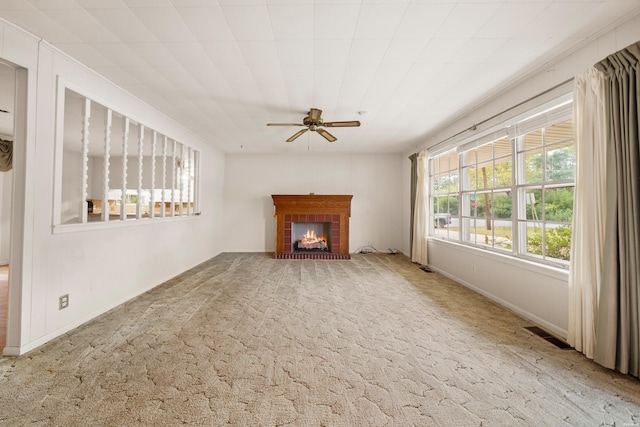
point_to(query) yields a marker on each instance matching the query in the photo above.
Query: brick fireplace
(333, 211)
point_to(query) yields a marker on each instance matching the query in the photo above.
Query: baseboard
(562, 333)
(18, 351)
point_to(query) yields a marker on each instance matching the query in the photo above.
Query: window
(116, 169)
(510, 191)
(545, 190)
(445, 193)
(487, 176)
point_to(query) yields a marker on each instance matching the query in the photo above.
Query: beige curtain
(414, 181)
(618, 315)
(420, 217)
(589, 210)
(6, 155)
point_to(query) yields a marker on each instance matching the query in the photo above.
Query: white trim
(90, 97)
(526, 314)
(17, 351)
(100, 225)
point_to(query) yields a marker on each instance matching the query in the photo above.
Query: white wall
(374, 180)
(98, 267)
(539, 294)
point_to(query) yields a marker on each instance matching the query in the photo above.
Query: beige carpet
(247, 340)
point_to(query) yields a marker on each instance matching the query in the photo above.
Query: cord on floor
(372, 249)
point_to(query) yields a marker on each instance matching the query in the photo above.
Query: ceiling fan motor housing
(314, 118)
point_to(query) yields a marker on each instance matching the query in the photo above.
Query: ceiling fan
(313, 121)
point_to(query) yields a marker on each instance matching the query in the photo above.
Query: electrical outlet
(63, 301)
(473, 268)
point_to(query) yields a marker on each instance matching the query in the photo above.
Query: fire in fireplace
(311, 237)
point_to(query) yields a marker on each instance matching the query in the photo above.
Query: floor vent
(547, 336)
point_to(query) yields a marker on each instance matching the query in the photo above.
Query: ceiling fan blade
(326, 135)
(297, 134)
(285, 124)
(352, 123)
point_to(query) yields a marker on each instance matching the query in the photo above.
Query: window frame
(157, 138)
(552, 113)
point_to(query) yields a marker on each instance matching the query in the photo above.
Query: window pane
(558, 242)
(453, 182)
(534, 239)
(453, 206)
(485, 153)
(472, 205)
(503, 173)
(533, 166)
(471, 158)
(485, 175)
(502, 148)
(561, 162)
(558, 204)
(533, 202)
(115, 166)
(147, 176)
(470, 231)
(482, 201)
(441, 217)
(71, 202)
(533, 139)
(440, 204)
(502, 234)
(562, 131)
(471, 178)
(446, 162)
(446, 183)
(501, 207)
(97, 166)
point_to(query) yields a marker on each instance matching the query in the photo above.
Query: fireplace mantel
(312, 208)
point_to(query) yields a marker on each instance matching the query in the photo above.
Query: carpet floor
(247, 340)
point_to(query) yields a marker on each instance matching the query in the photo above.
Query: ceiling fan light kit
(313, 121)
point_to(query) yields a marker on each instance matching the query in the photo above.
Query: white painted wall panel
(98, 268)
(373, 180)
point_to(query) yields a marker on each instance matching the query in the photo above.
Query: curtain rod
(475, 126)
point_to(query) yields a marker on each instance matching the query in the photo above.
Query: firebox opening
(311, 236)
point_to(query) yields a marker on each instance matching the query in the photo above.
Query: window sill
(102, 225)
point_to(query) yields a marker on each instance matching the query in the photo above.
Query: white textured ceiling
(225, 68)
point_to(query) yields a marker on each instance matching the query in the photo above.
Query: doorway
(7, 108)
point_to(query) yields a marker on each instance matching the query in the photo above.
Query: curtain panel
(420, 228)
(618, 313)
(414, 180)
(6, 155)
(589, 209)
